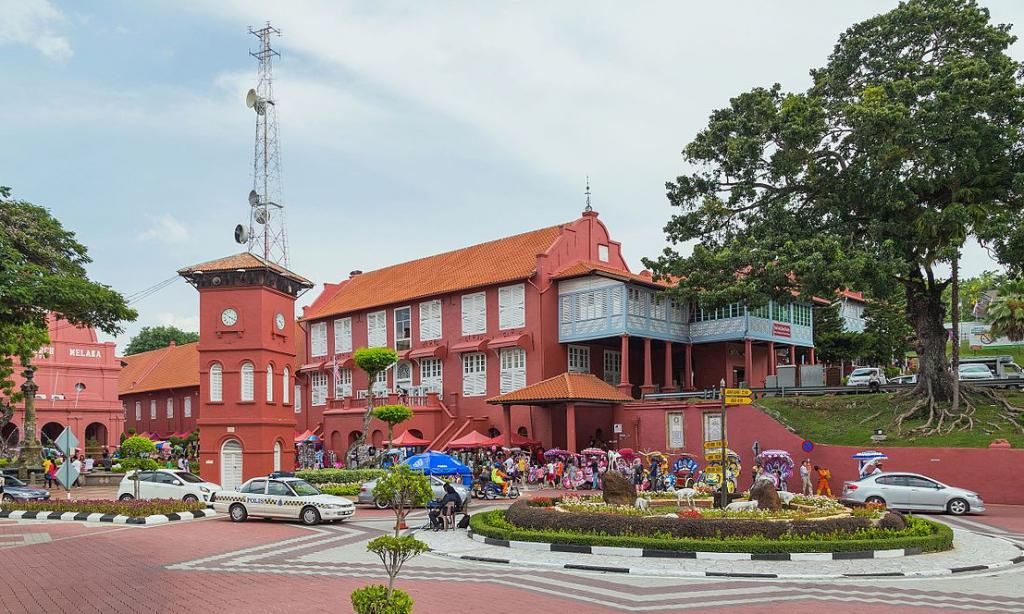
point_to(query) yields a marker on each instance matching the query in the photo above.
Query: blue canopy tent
(438, 463)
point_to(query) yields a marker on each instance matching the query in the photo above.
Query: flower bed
(134, 508)
(850, 535)
(339, 476)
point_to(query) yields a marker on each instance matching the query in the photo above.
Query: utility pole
(31, 449)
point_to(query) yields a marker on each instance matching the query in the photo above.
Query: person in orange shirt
(824, 475)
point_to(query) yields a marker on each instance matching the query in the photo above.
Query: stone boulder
(618, 490)
(763, 491)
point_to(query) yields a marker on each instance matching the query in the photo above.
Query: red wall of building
(163, 426)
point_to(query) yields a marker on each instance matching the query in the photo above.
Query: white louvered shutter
(513, 369)
(170, 408)
(216, 383)
(474, 374)
(343, 335)
(188, 407)
(248, 383)
(474, 314)
(430, 320)
(270, 384)
(512, 307)
(318, 339)
(377, 329)
(286, 384)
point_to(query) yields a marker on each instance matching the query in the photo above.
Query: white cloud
(29, 22)
(166, 229)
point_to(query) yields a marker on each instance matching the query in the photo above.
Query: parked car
(866, 376)
(436, 484)
(16, 490)
(167, 484)
(975, 372)
(912, 492)
(904, 379)
(282, 497)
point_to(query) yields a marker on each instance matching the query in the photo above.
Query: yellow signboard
(738, 400)
(738, 392)
(712, 456)
(714, 445)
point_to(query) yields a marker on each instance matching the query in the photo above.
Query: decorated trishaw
(686, 470)
(776, 464)
(712, 474)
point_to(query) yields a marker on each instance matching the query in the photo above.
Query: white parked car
(912, 491)
(866, 376)
(167, 484)
(975, 371)
(282, 497)
(904, 379)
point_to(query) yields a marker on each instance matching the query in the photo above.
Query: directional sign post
(67, 474)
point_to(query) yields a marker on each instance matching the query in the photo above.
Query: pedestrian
(47, 463)
(77, 464)
(824, 475)
(877, 469)
(780, 479)
(595, 475)
(571, 476)
(3, 481)
(805, 478)
(107, 462)
(51, 474)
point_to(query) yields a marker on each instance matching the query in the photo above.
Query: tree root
(941, 419)
(872, 417)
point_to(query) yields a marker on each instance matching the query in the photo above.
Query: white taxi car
(282, 497)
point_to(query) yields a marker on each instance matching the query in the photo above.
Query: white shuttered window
(613, 367)
(248, 382)
(298, 399)
(512, 307)
(286, 385)
(377, 329)
(318, 388)
(318, 339)
(431, 374)
(170, 408)
(343, 385)
(138, 411)
(474, 314)
(474, 374)
(513, 369)
(579, 359)
(430, 320)
(187, 407)
(216, 383)
(270, 384)
(152, 410)
(343, 335)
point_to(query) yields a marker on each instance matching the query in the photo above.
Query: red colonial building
(488, 320)
(77, 377)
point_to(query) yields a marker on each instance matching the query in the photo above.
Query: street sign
(715, 445)
(738, 392)
(756, 448)
(738, 400)
(712, 456)
(66, 442)
(807, 446)
(617, 428)
(67, 474)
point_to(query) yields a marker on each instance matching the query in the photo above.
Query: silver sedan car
(436, 484)
(912, 492)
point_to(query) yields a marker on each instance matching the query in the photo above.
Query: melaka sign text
(84, 353)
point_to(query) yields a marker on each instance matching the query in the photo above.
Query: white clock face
(279, 321)
(229, 317)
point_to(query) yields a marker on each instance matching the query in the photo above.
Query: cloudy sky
(406, 128)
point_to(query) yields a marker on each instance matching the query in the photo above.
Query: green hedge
(920, 533)
(339, 476)
(132, 507)
(339, 490)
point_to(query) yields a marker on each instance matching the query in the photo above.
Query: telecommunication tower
(266, 235)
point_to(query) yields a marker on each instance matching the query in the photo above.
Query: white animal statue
(741, 506)
(641, 503)
(786, 497)
(686, 494)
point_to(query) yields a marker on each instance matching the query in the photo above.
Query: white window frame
(612, 367)
(270, 383)
(432, 374)
(343, 383)
(342, 335)
(152, 409)
(377, 329)
(430, 320)
(247, 382)
(318, 339)
(407, 340)
(216, 383)
(187, 406)
(474, 314)
(513, 369)
(406, 381)
(170, 408)
(298, 399)
(138, 411)
(579, 359)
(380, 384)
(318, 388)
(474, 374)
(512, 306)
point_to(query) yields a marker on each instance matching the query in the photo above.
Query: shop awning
(312, 366)
(478, 345)
(472, 439)
(303, 436)
(431, 351)
(407, 439)
(523, 340)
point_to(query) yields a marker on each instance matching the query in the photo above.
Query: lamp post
(31, 449)
(724, 485)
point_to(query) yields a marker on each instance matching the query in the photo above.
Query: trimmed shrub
(920, 533)
(339, 490)
(373, 599)
(340, 476)
(134, 507)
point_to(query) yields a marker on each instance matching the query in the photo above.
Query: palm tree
(1006, 312)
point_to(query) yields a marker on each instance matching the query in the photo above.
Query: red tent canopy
(407, 439)
(303, 436)
(518, 441)
(472, 439)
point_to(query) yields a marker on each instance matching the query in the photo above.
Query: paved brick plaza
(264, 566)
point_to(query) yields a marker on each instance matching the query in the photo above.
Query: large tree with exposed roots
(907, 144)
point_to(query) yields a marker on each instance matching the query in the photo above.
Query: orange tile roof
(170, 367)
(582, 387)
(503, 260)
(581, 268)
(246, 261)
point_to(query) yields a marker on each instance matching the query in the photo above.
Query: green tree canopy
(392, 415)
(831, 341)
(372, 361)
(42, 270)
(403, 488)
(156, 337)
(908, 142)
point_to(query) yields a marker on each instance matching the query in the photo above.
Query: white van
(866, 376)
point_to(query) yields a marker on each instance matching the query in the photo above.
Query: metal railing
(712, 394)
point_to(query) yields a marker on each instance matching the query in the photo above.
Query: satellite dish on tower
(254, 198)
(251, 98)
(241, 234)
(262, 215)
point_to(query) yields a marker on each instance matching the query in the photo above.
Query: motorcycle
(490, 490)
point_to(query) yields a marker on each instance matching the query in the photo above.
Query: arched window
(286, 384)
(270, 383)
(277, 456)
(216, 383)
(248, 375)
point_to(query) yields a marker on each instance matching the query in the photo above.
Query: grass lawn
(837, 419)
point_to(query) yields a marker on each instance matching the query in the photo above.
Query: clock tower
(246, 366)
